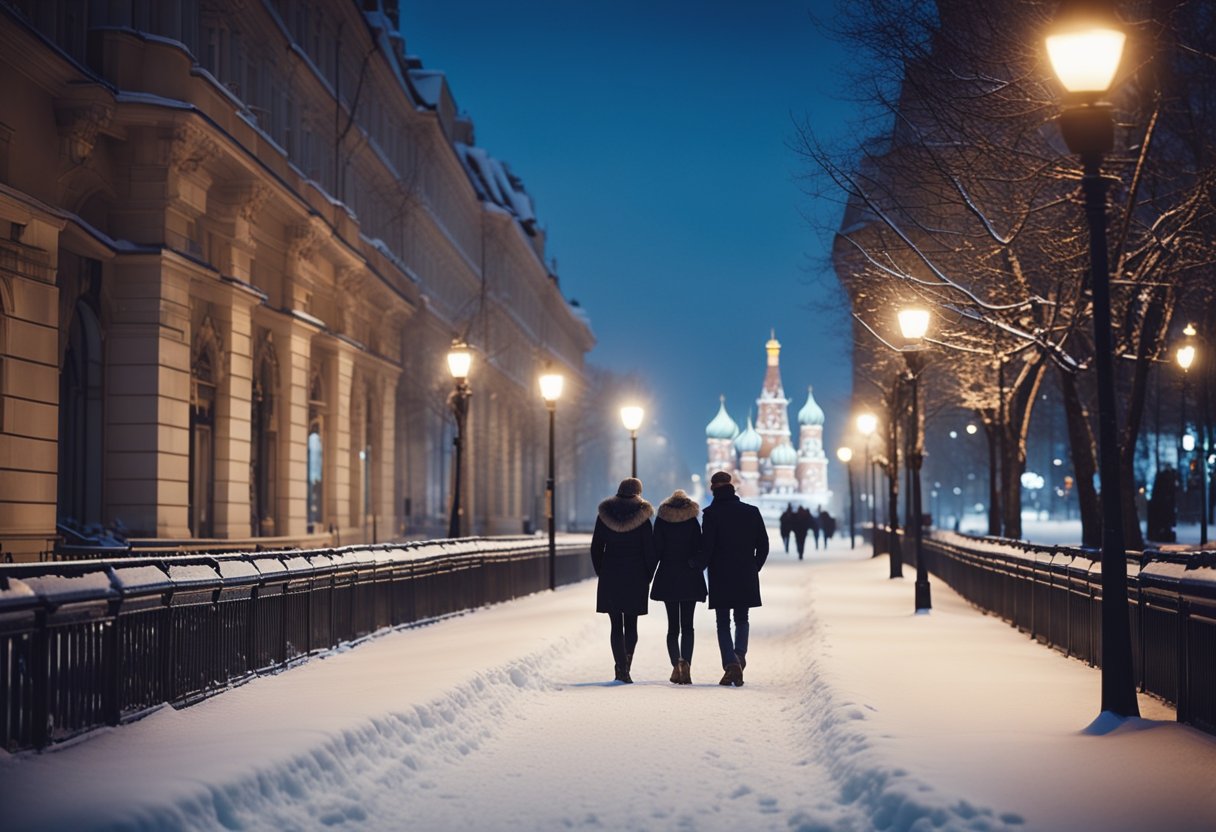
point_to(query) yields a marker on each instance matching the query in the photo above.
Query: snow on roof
(495, 184)
(429, 84)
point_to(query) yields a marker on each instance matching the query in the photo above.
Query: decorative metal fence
(92, 643)
(1054, 594)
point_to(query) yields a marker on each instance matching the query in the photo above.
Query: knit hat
(629, 487)
(718, 480)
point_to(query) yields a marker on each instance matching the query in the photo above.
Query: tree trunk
(1084, 460)
(1012, 468)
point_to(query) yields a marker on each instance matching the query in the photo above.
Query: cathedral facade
(766, 468)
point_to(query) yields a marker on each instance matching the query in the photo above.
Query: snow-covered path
(856, 715)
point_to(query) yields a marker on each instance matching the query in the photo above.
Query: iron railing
(92, 643)
(1054, 594)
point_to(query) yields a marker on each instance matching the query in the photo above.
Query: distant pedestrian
(734, 544)
(817, 527)
(787, 525)
(827, 526)
(623, 556)
(802, 525)
(680, 581)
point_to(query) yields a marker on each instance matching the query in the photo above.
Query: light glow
(867, 423)
(972, 429)
(631, 417)
(913, 323)
(1186, 356)
(1086, 57)
(459, 360)
(551, 386)
(1188, 442)
(845, 455)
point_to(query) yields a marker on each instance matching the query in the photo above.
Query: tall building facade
(761, 458)
(236, 241)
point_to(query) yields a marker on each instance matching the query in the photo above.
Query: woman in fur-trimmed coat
(680, 581)
(623, 556)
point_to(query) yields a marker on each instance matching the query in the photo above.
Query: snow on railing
(1054, 594)
(98, 642)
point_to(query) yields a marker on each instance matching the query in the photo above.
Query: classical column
(234, 316)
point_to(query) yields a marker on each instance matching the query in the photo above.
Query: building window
(80, 424)
(263, 450)
(316, 453)
(202, 444)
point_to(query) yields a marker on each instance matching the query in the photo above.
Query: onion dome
(811, 413)
(749, 440)
(783, 454)
(722, 426)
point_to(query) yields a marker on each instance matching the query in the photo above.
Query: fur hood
(624, 514)
(677, 508)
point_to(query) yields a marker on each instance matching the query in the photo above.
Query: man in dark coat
(802, 524)
(623, 556)
(827, 525)
(787, 526)
(734, 545)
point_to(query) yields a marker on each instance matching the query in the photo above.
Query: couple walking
(731, 541)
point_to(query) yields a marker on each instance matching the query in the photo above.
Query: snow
(856, 715)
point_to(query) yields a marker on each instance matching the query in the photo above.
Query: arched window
(263, 448)
(316, 452)
(203, 382)
(80, 425)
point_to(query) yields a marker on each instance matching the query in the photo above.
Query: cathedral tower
(772, 415)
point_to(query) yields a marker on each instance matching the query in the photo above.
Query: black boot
(625, 677)
(732, 676)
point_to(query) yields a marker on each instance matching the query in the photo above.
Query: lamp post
(551, 390)
(459, 362)
(631, 418)
(867, 423)
(1085, 44)
(913, 324)
(1185, 356)
(845, 455)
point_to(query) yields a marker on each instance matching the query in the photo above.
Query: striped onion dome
(783, 454)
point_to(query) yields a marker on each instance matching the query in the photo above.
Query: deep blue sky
(653, 138)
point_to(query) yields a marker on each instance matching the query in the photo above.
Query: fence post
(40, 659)
(1182, 708)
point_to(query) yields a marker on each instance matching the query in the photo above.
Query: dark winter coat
(677, 542)
(802, 522)
(622, 554)
(734, 544)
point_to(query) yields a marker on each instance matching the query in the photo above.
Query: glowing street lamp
(631, 418)
(1085, 45)
(845, 455)
(914, 324)
(460, 361)
(551, 385)
(1185, 355)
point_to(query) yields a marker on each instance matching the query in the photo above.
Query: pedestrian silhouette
(802, 525)
(734, 545)
(680, 581)
(787, 525)
(623, 557)
(827, 526)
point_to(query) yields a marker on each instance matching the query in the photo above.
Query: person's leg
(631, 636)
(673, 631)
(725, 643)
(742, 629)
(616, 638)
(687, 636)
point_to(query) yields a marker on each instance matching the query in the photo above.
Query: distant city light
(957, 491)
(1032, 481)
(1188, 442)
(954, 434)
(971, 428)
(1057, 462)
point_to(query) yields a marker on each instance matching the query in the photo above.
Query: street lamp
(913, 324)
(460, 360)
(551, 384)
(845, 455)
(1085, 45)
(631, 418)
(867, 423)
(1186, 357)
